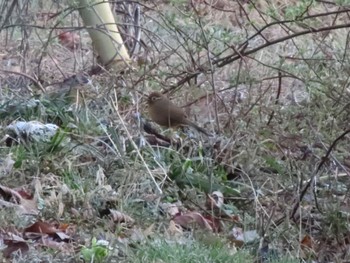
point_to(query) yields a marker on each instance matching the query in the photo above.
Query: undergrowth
(275, 112)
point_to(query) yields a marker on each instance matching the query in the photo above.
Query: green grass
(192, 251)
(188, 252)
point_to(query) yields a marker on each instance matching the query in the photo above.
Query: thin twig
(311, 181)
(277, 96)
(36, 82)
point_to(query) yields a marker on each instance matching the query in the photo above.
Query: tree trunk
(106, 39)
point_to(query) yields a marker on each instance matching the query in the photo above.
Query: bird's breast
(166, 116)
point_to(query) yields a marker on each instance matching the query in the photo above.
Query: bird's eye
(154, 98)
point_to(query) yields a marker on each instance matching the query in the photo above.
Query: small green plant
(297, 11)
(20, 156)
(72, 179)
(96, 253)
(56, 141)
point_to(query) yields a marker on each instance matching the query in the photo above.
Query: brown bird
(165, 113)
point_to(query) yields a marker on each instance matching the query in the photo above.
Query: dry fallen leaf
(149, 230)
(70, 40)
(191, 218)
(45, 230)
(174, 229)
(13, 244)
(307, 246)
(18, 200)
(120, 217)
(41, 227)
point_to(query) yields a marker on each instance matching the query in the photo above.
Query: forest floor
(85, 175)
